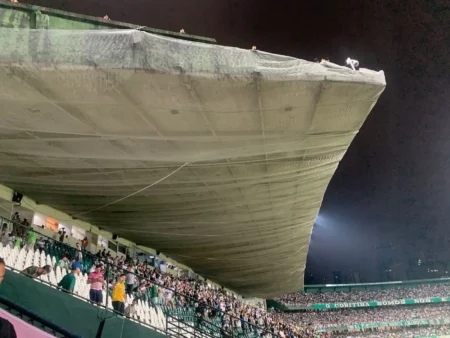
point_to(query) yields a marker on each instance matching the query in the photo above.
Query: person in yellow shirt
(119, 296)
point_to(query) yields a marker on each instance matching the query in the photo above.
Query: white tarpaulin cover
(230, 151)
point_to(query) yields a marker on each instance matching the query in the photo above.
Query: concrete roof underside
(232, 149)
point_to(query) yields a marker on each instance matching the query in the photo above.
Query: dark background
(386, 212)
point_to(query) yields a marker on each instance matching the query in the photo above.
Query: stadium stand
(386, 295)
(181, 307)
(323, 92)
(18, 259)
(348, 317)
(443, 331)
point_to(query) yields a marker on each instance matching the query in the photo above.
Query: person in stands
(119, 296)
(25, 222)
(76, 263)
(79, 254)
(131, 309)
(6, 328)
(17, 241)
(31, 239)
(154, 294)
(84, 243)
(16, 217)
(63, 263)
(35, 271)
(2, 269)
(67, 283)
(131, 280)
(97, 280)
(40, 244)
(62, 233)
(5, 235)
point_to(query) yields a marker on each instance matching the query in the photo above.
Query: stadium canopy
(216, 156)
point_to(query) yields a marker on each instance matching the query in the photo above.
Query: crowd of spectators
(124, 276)
(416, 292)
(210, 303)
(351, 316)
(397, 332)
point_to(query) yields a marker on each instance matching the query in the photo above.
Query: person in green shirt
(17, 242)
(31, 239)
(63, 263)
(154, 295)
(68, 281)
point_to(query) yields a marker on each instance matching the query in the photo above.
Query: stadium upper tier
(216, 156)
(437, 290)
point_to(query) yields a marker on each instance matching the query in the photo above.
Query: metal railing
(104, 308)
(198, 323)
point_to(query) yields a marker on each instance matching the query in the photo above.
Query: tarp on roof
(225, 153)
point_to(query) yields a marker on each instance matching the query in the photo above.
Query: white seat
(20, 259)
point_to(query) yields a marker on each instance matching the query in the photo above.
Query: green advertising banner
(379, 303)
(399, 323)
(361, 326)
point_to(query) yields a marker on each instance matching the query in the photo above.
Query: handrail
(109, 265)
(5, 301)
(76, 295)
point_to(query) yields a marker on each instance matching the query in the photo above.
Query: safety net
(218, 157)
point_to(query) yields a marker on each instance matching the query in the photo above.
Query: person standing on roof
(67, 283)
(96, 280)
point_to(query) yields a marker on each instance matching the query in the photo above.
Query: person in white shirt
(130, 281)
(131, 310)
(79, 254)
(5, 235)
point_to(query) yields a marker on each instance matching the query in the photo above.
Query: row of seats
(59, 250)
(19, 259)
(146, 313)
(211, 325)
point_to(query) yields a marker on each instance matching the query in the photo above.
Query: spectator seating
(58, 250)
(414, 291)
(159, 316)
(19, 259)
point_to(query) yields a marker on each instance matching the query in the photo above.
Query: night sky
(393, 184)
